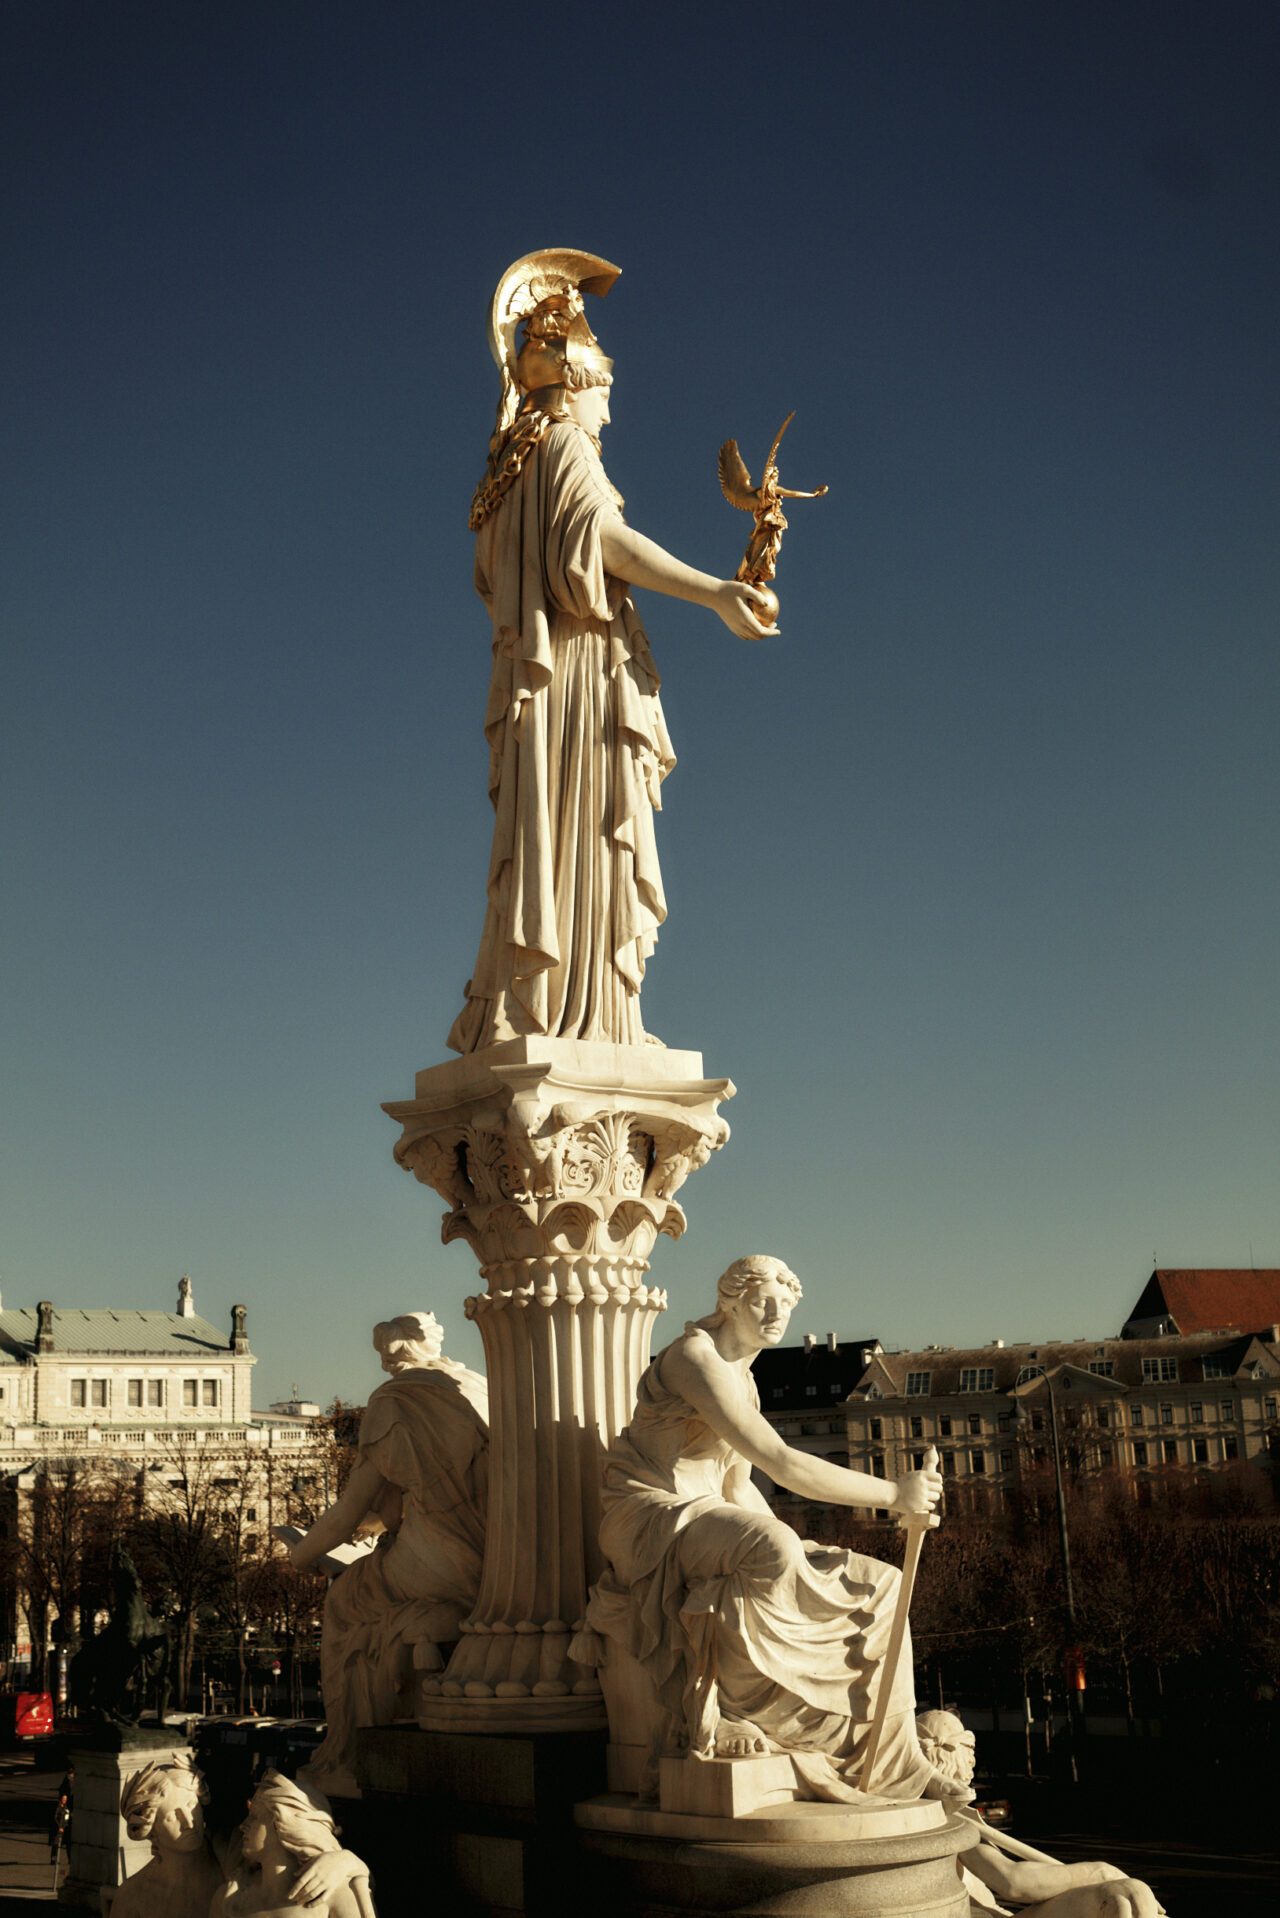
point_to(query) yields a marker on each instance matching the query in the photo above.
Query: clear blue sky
(972, 874)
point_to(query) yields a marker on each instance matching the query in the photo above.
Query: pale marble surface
(422, 1473)
(717, 1632)
(559, 1161)
(578, 745)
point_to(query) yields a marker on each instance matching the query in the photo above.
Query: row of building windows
(1105, 1416)
(1165, 1452)
(1160, 1370)
(139, 1392)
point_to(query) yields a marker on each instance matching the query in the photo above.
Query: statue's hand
(325, 1876)
(919, 1492)
(1127, 1898)
(743, 609)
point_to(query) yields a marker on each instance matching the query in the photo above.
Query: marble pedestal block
(799, 1860)
(101, 1854)
(559, 1161)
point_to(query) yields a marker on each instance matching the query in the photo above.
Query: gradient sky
(972, 874)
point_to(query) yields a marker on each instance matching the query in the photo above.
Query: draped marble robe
(578, 749)
(732, 1615)
(426, 1430)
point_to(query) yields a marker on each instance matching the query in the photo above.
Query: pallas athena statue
(578, 747)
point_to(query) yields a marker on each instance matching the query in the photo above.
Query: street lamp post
(1075, 1728)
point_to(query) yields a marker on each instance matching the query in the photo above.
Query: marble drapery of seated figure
(421, 1471)
(752, 1639)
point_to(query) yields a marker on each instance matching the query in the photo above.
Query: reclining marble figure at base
(749, 1639)
(1028, 1882)
(286, 1853)
(422, 1471)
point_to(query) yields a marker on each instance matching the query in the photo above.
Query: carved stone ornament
(559, 1161)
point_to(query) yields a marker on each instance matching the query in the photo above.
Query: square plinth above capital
(540, 1074)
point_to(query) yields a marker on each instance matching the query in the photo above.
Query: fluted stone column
(560, 1161)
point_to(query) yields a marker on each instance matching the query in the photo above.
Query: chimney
(44, 1326)
(810, 1341)
(186, 1297)
(831, 1342)
(239, 1341)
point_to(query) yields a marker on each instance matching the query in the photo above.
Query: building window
(1139, 1452)
(877, 1428)
(97, 1391)
(1037, 1421)
(1166, 1415)
(944, 1425)
(877, 1464)
(917, 1461)
(977, 1463)
(135, 1392)
(975, 1424)
(1227, 1411)
(1197, 1412)
(917, 1426)
(210, 1390)
(1200, 1451)
(1215, 1368)
(1230, 1446)
(1136, 1415)
(189, 1391)
(251, 1542)
(811, 1391)
(1102, 1368)
(1006, 1461)
(918, 1384)
(1026, 1372)
(1160, 1371)
(79, 1392)
(948, 1463)
(155, 1391)
(1104, 1416)
(1002, 1421)
(776, 1393)
(1169, 1448)
(1104, 1456)
(836, 1388)
(1269, 1408)
(977, 1378)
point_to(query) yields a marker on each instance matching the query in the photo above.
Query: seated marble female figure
(753, 1639)
(421, 1473)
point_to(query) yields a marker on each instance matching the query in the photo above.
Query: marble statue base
(101, 1854)
(560, 1161)
(881, 1859)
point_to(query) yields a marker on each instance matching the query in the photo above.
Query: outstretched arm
(359, 1496)
(641, 562)
(693, 1368)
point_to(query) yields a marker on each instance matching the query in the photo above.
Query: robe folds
(732, 1615)
(426, 1431)
(578, 749)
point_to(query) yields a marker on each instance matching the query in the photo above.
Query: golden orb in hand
(768, 613)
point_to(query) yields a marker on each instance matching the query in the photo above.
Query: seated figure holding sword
(754, 1639)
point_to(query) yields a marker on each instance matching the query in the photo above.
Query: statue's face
(764, 1310)
(590, 408)
(955, 1750)
(179, 1822)
(255, 1835)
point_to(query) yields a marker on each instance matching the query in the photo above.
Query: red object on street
(26, 1714)
(1075, 1668)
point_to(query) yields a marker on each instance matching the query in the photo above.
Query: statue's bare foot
(739, 1738)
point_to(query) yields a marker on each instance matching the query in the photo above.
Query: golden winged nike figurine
(760, 561)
